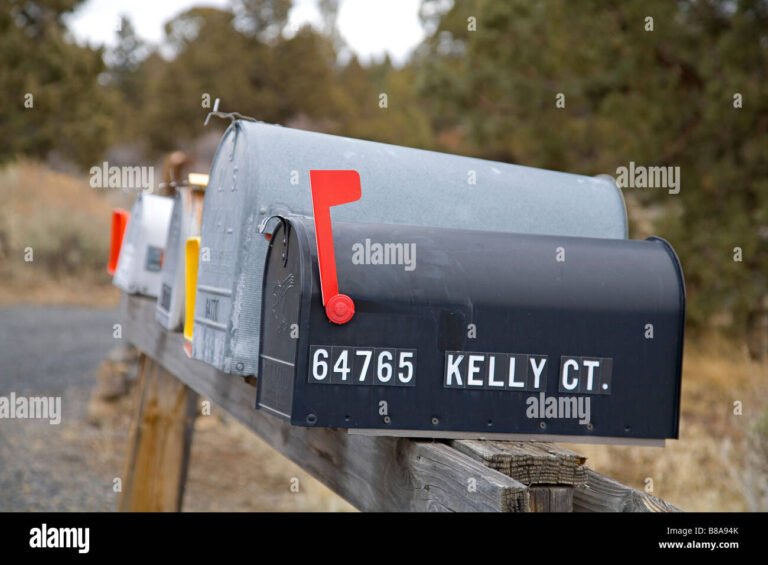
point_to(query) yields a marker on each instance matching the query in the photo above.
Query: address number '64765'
(362, 366)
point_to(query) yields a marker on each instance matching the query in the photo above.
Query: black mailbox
(462, 333)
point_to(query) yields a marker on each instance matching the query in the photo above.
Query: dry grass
(66, 224)
(712, 466)
(70, 291)
(231, 469)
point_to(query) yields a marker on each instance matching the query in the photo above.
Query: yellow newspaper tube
(191, 260)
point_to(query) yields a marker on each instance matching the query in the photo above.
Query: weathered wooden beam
(551, 499)
(549, 470)
(160, 441)
(603, 494)
(372, 473)
(531, 463)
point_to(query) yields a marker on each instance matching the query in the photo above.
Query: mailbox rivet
(311, 419)
(435, 421)
(543, 425)
(590, 426)
(239, 366)
(387, 419)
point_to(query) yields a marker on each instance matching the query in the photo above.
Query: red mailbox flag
(332, 188)
(119, 222)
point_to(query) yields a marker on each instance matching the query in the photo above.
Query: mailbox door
(168, 312)
(185, 223)
(289, 282)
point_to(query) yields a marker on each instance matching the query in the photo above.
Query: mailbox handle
(332, 188)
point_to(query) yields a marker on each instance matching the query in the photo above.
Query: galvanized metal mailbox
(141, 254)
(186, 218)
(262, 170)
(460, 333)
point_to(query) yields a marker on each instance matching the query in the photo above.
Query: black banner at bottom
(82, 537)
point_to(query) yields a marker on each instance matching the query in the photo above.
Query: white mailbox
(140, 264)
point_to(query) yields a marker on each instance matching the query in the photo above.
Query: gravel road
(54, 351)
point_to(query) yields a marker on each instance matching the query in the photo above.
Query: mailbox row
(442, 296)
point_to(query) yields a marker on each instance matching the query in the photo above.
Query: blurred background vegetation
(484, 82)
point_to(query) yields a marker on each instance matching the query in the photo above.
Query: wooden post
(159, 443)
